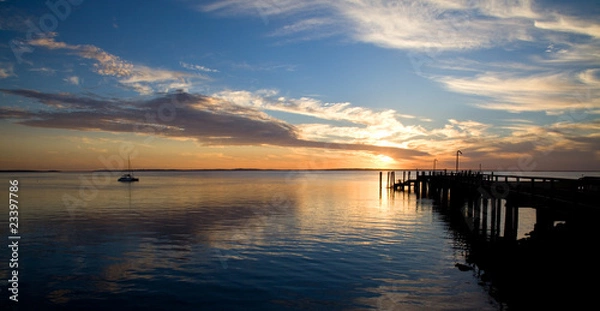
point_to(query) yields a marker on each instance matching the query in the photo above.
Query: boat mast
(129, 165)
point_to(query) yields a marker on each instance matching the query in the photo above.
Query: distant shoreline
(268, 170)
(195, 170)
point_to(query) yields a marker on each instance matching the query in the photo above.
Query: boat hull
(128, 179)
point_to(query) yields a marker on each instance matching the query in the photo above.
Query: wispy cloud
(72, 80)
(263, 67)
(432, 25)
(263, 8)
(197, 67)
(46, 70)
(345, 111)
(382, 128)
(568, 24)
(143, 79)
(6, 70)
(314, 28)
(302, 26)
(547, 92)
(443, 25)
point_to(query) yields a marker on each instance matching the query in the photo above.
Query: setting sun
(384, 160)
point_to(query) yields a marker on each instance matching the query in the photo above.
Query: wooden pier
(491, 202)
(544, 268)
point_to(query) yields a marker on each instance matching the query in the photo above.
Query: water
(233, 240)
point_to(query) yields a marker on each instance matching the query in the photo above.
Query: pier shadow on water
(552, 267)
(556, 271)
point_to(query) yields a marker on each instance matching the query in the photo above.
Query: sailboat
(128, 177)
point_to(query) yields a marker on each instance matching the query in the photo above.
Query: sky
(282, 84)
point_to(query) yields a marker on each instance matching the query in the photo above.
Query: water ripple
(263, 241)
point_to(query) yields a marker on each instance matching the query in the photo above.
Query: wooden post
(493, 228)
(380, 180)
(510, 221)
(445, 194)
(418, 184)
(424, 185)
(477, 215)
(484, 218)
(388, 179)
(499, 216)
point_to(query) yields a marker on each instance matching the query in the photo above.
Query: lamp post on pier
(434, 162)
(458, 152)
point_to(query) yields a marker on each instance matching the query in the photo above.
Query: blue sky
(310, 84)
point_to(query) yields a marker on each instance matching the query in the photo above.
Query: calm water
(233, 240)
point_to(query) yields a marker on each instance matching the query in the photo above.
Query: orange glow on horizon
(53, 149)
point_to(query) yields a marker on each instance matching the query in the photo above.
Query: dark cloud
(61, 100)
(209, 120)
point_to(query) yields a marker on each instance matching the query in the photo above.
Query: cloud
(432, 24)
(463, 129)
(547, 146)
(442, 25)
(196, 67)
(62, 100)
(264, 66)
(72, 80)
(143, 79)
(371, 127)
(262, 8)
(45, 70)
(457, 134)
(313, 28)
(208, 120)
(269, 100)
(548, 92)
(6, 70)
(302, 26)
(568, 24)
(561, 136)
